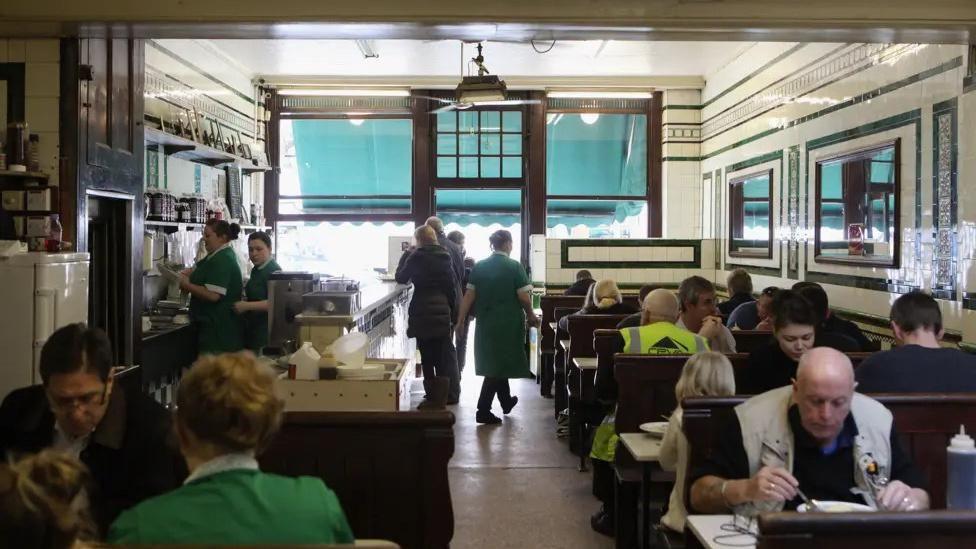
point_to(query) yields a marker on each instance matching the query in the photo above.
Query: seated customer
(833, 323)
(123, 438)
(817, 297)
(705, 374)
(603, 298)
(739, 284)
(810, 436)
(40, 496)
(634, 320)
(697, 298)
(774, 365)
(753, 314)
(918, 364)
(583, 282)
(226, 412)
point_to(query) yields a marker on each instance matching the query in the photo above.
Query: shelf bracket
(173, 149)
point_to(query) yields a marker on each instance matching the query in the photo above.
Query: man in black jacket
(123, 438)
(583, 282)
(431, 314)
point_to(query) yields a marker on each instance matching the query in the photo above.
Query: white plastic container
(350, 349)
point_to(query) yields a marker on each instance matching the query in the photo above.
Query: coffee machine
(285, 291)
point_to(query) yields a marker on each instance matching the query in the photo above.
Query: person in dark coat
(461, 336)
(124, 438)
(583, 282)
(832, 330)
(456, 252)
(603, 298)
(634, 320)
(739, 285)
(431, 313)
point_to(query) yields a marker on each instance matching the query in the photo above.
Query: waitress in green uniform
(501, 296)
(255, 307)
(215, 285)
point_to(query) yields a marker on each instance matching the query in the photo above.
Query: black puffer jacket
(435, 291)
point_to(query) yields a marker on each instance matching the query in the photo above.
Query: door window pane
(468, 166)
(490, 166)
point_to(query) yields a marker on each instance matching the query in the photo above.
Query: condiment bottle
(961, 467)
(53, 242)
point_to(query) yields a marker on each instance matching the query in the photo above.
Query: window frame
(860, 154)
(648, 108)
(500, 182)
(375, 114)
(739, 181)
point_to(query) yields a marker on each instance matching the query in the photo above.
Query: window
(479, 212)
(596, 175)
(354, 249)
(345, 166)
(484, 144)
(857, 207)
(750, 215)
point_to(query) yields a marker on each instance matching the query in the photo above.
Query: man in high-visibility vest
(658, 334)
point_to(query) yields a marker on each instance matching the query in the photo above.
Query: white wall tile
(43, 51)
(49, 153)
(16, 51)
(42, 79)
(659, 253)
(42, 114)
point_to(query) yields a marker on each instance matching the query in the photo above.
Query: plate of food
(655, 428)
(836, 507)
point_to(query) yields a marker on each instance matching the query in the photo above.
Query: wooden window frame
(733, 215)
(849, 157)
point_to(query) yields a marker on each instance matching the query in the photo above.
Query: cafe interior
(643, 142)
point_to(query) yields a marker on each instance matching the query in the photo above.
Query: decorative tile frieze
(944, 255)
(793, 212)
(693, 133)
(795, 88)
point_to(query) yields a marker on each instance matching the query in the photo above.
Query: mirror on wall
(750, 215)
(857, 206)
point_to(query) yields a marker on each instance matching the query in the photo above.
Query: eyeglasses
(86, 401)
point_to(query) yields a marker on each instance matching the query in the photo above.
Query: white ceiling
(443, 58)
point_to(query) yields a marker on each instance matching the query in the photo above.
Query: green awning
(607, 157)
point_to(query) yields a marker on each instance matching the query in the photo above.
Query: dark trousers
(438, 358)
(489, 388)
(461, 342)
(604, 481)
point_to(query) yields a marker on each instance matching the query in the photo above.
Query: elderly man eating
(818, 436)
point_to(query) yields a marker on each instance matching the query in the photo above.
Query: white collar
(215, 252)
(263, 265)
(500, 253)
(220, 464)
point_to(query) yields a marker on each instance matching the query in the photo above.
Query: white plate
(657, 428)
(837, 507)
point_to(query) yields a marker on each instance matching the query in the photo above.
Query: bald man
(810, 437)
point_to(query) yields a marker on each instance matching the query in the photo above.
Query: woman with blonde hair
(226, 413)
(704, 374)
(43, 502)
(603, 298)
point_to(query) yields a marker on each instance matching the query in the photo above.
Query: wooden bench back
(389, 469)
(925, 423)
(747, 341)
(867, 530)
(582, 328)
(548, 303)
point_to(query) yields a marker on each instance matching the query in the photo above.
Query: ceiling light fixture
(379, 92)
(589, 118)
(600, 94)
(366, 48)
(357, 121)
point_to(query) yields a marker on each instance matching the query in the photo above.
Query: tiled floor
(516, 485)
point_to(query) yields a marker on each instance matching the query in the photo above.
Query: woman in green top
(226, 412)
(215, 285)
(501, 294)
(255, 307)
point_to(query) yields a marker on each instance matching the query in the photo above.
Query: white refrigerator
(39, 293)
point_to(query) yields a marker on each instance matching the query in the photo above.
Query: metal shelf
(187, 149)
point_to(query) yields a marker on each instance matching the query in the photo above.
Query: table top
(564, 343)
(642, 446)
(707, 527)
(585, 362)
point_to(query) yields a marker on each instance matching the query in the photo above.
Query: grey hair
(435, 223)
(692, 288)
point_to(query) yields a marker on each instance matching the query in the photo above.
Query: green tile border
(753, 269)
(681, 158)
(968, 85)
(620, 243)
(678, 107)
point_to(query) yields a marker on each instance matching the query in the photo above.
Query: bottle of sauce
(961, 466)
(53, 242)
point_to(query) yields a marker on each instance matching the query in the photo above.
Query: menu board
(234, 202)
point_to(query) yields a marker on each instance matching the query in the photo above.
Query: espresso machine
(285, 291)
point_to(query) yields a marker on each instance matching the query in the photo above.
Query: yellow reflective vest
(662, 338)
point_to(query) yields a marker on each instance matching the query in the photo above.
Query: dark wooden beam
(654, 166)
(422, 195)
(273, 134)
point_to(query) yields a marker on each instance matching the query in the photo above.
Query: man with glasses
(753, 315)
(124, 439)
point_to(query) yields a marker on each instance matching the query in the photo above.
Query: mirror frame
(731, 186)
(893, 261)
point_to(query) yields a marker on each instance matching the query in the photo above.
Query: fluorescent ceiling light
(600, 95)
(356, 121)
(589, 118)
(366, 48)
(380, 92)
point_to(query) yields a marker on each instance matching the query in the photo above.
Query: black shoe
(602, 523)
(487, 418)
(507, 406)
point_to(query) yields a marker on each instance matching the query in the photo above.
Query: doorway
(479, 212)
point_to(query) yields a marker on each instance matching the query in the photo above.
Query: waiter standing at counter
(254, 308)
(215, 285)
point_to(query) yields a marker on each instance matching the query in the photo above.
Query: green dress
(256, 322)
(499, 335)
(219, 327)
(237, 507)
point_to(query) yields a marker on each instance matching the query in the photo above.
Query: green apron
(499, 335)
(219, 328)
(256, 322)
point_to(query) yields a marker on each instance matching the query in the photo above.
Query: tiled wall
(784, 106)
(682, 199)
(631, 263)
(42, 90)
